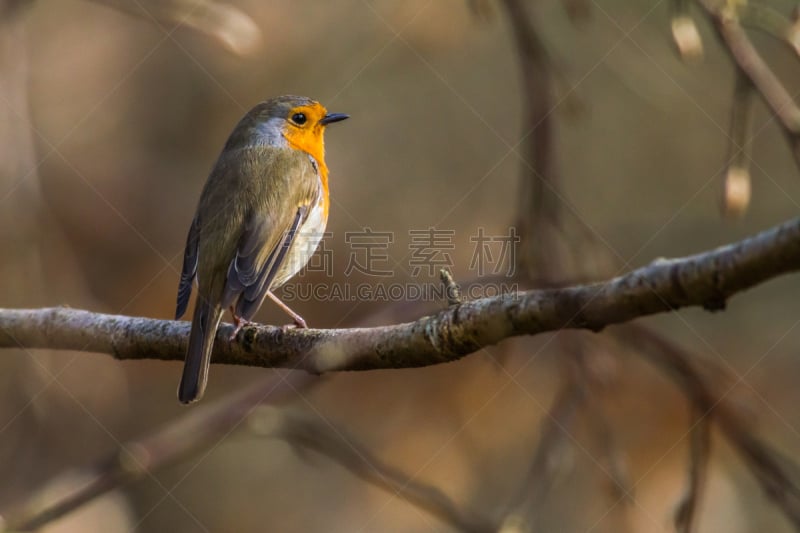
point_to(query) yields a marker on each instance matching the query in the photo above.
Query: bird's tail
(201, 341)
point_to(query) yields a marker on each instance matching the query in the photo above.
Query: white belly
(304, 245)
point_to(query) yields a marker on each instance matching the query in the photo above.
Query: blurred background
(111, 121)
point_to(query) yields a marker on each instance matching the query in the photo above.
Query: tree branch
(540, 212)
(137, 459)
(306, 432)
(746, 57)
(707, 279)
(548, 463)
(699, 457)
(771, 471)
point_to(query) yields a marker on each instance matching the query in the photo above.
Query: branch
(539, 211)
(303, 431)
(138, 458)
(749, 61)
(707, 279)
(771, 471)
(699, 456)
(229, 26)
(548, 463)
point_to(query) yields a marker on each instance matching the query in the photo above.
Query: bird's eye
(299, 119)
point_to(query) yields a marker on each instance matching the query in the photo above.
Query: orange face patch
(304, 132)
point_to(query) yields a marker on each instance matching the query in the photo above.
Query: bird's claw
(238, 323)
(298, 323)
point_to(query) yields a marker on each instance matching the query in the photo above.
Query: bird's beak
(330, 118)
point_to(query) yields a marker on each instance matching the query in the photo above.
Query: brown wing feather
(252, 270)
(252, 297)
(189, 270)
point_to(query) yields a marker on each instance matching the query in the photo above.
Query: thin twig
(451, 287)
(301, 430)
(539, 211)
(699, 454)
(139, 458)
(548, 461)
(744, 54)
(710, 397)
(615, 464)
(736, 187)
(768, 467)
(228, 25)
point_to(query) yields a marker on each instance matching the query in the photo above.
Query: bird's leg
(298, 320)
(238, 322)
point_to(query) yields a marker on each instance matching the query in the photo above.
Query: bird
(260, 217)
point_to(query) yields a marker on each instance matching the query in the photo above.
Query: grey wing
(189, 270)
(251, 271)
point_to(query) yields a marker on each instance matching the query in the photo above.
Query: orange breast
(311, 142)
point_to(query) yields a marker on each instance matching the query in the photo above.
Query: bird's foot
(298, 320)
(238, 323)
(298, 323)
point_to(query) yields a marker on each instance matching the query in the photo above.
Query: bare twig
(539, 212)
(707, 279)
(699, 453)
(709, 396)
(229, 26)
(450, 287)
(139, 458)
(301, 430)
(768, 467)
(746, 57)
(614, 461)
(760, 16)
(736, 183)
(736, 187)
(548, 461)
(555, 244)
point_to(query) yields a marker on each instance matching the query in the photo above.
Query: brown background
(127, 118)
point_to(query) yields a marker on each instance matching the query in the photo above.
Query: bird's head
(294, 121)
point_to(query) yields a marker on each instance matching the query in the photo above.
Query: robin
(260, 217)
